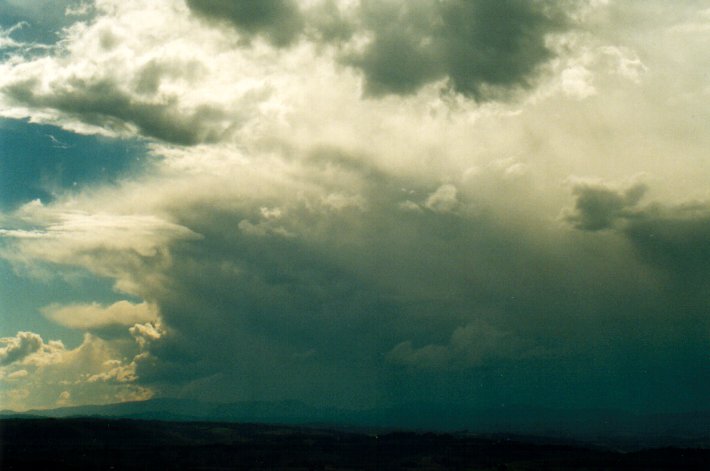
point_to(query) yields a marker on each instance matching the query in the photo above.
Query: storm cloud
(484, 49)
(514, 210)
(598, 207)
(675, 237)
(279, 21)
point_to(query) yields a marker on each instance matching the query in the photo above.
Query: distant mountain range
(592, 425)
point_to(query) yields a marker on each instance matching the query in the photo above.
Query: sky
(355, 203)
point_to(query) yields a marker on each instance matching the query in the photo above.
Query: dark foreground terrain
(85, 443)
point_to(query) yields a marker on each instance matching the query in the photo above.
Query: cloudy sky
(355, 203)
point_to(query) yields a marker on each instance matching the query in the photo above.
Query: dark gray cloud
(402, 55)
(326, 23)
(470, 346)
(674, 237)
(278, 21)
(483, 48)
(294, 294)
(361, 306)
(598, 207)
(16, 348)
(104, 103)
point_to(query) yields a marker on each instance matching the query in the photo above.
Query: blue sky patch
(42, 162)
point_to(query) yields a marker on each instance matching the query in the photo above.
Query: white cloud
(80, 9)
(114, 245)
(576, 82)
(698, 25)
(17, 374)
(146, 333)
(443, 199)
(133, 70)
(94, 371)
(6, 40)
(64, 398)
(118, 373)
(94, 315)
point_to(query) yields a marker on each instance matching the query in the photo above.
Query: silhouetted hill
(607, 427)
(94, 443)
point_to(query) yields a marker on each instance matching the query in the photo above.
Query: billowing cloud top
(363, 202)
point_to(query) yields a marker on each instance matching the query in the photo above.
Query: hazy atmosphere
(356, 203)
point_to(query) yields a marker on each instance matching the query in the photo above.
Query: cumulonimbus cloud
(299, 238)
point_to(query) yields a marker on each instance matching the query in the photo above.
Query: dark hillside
(149, 445)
